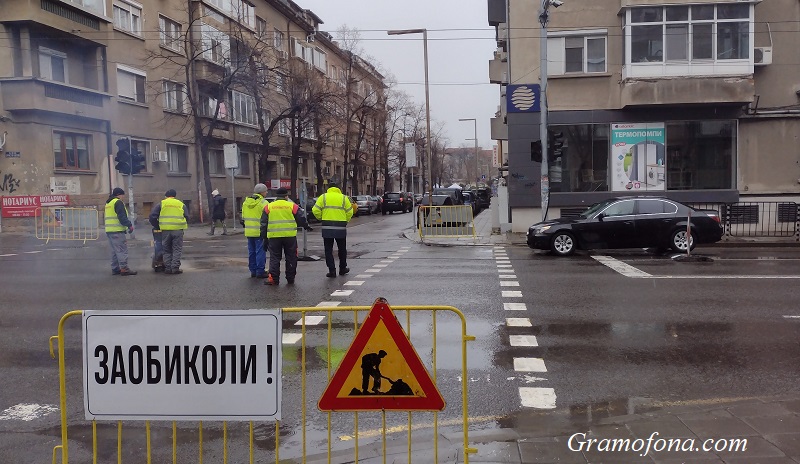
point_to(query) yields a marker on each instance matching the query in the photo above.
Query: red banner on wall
(26, 205)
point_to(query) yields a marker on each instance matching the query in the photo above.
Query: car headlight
(542, 229)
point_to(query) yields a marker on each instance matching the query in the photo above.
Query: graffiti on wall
(8, 183)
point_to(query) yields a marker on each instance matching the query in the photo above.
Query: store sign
(26, 205)
(275, 184)
(523, 98)
(638, 157)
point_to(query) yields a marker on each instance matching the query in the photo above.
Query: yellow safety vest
(112, 220)
(252, 208)
(281, 219)
(171, 216)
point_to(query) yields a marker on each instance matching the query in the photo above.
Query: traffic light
(555, 146)
(138, 161)
(536, 151)
(123, 157)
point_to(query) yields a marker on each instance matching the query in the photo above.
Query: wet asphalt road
(690, 331)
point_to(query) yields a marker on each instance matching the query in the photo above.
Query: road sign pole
(131, 211)
(233, 199)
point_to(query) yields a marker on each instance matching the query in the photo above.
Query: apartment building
(181, 80)
(696, 101)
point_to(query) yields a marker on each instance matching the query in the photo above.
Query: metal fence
(62, 223)
(291, 439)
(445, 222)
(757, 218)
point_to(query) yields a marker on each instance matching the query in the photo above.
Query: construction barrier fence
(445, 222)
(311, 351)
(63, 223)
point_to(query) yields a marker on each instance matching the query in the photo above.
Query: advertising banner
(275, 184)
(638, 157)
(26, 205)
(411, 155)
(182, 365)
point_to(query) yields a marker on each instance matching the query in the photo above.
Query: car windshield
(362, 198)
(595, 208)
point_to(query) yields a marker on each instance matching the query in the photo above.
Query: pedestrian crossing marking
(511, 294)
(518, 322)
(342, 293)
(515, 306)
(290, 338)
(529, 365)
(509, 284)
(310, 320)
(328, 304)
(537, 397)
(523, 340)
(354, 283)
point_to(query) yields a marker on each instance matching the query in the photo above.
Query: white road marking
(530, 379)
(523, 340)
(395, 256)
(9, 254)
(188, 246)
(217, 246)
(515, 306)
(405, 247)
(529, 365)
(792, 317)
(723, 277)
(311, 320)
(290, 338)
(537, 397)
(388, 261)
(354, 283)
(373, 270)
(402, 250)
(27, 411)
(503, 262)
(54, 249)
(518, 322)
(379, 265)
(623, 268)
(504, 265)
(363, 276)
(509, 284)
(342, 293)
(511, 293)
(328, 304)
(499, 248)
(508, 276)
(32, 252)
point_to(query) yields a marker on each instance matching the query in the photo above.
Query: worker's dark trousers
(283, 246)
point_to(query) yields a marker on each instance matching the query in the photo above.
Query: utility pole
(130, 190)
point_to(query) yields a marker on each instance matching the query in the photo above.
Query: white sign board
(231, 153)
(182, 365)
(411, 155)
(65, 185)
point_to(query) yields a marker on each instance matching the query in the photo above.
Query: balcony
(499, 128)
(66, 16)
(29, 94)
(699, 90)
(498, 71)
(207, 71)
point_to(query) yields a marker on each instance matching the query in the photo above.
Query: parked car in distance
(471, 200)
(364, 204)
(418, 198)
(484, 197)
(397, 201)
(628, 222)
(454, 193)
(378, 203)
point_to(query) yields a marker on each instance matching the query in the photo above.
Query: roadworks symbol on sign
(381, 370)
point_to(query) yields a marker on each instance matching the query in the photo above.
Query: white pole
(545, 172)
(233, 200)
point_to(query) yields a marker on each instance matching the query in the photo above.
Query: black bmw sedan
(629, 222)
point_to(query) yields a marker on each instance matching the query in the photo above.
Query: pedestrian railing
(311, 352)
(62, 223)
(445, 222)
(758, 218)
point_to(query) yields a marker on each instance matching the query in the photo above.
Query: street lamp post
(475, 124)
(424, 33)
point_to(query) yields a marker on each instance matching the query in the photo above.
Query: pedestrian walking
(252, 212)
(280, 221)
(218, 213)
(335, 211)
(117, 225)
(171, 217)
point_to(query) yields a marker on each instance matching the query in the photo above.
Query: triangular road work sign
(381, 370)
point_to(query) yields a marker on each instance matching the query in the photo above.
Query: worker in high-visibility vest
(171, 216)
(280, 221)
(252, 210)
(117, 225)
(334, 210)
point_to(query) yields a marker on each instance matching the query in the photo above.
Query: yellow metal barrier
(445, 222)
(61, 223)
(258, 436)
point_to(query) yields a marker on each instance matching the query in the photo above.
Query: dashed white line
(363, 276)
(503, 266)
(515, 307)
(388, 261)
(523, 340)
(539, 398)
(290, 338)
(529, 365)
(32, 252)
(373, 270)
(511, 293)
(792, 317)
(518, 322)
(379, 265)
(9, 254)
(507, 276)
(328, 304)
(623, 268)
(342, 293)
(509, 284)
(310, 320)
(354, 283)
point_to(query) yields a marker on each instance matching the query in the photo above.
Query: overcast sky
(460, 45)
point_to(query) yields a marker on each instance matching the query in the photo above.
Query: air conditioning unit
(283, 54)
(160, 157)
(762, 56)
(310, 38)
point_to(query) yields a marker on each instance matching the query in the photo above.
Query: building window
(128, 17)
(216, 45)
(174, 96)
(216, 162)
(244, 108)
(144, 148)
(278, 40)
(170, 33)
(71, 151)
(692, 34)
(244, 164)
(261, 27)
(178, 158)
(285, 166)
(131, 83)
(283, 127)
(52, 65)
(280, 83)
(96, 6)
(700, 154)
(583, 53)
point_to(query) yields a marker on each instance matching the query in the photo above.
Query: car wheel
(678, 241)
(563, 243)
